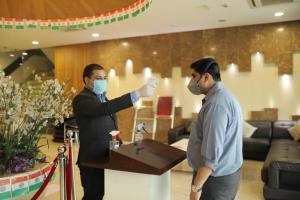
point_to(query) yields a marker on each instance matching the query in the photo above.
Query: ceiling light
(203, 7)
(35, 42)
(95, 35)
(154, 52)
(278, 14)
(12, 55)
(24, 53)
(225, 5)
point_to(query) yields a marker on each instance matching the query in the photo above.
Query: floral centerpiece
(24, 112)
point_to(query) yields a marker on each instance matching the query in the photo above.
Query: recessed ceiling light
(222, 20)
(35, 42)
(125, 44)
(95, 35)
(24, 53)
(12, 55)
(278, 14)
(154, 52)
(225, 5)
(203, 7)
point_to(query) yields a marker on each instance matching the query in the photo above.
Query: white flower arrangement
(24, 112)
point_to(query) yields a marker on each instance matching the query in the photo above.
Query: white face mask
(194, 87)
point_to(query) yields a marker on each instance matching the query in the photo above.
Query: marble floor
(250, 185)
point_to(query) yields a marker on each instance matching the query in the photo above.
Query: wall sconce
(281, 29)
(125, 44)
(112, 73)
(166, 81)
(232, 69)
(286, 81)
(147, 72)
(128, 67)
(187, 80)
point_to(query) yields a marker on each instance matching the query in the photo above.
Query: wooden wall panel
(295, 117)
(227, 45)
(278, 45)
(70, 62)
(270, 114)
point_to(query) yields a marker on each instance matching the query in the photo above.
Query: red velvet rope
(42, 188)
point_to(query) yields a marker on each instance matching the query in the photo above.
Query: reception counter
(139, 172)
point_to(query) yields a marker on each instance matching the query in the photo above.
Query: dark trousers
(221, 187)
(92, 181)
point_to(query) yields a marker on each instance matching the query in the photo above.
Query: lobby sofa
(281, 169)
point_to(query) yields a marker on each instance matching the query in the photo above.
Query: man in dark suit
(95, 116)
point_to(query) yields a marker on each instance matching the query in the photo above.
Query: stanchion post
(70, 136)
(62, 167)
(76, 139)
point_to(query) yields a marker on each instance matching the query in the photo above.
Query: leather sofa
(179, 132)
(281, 169)
(257, 146)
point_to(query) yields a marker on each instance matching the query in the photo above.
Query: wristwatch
(196, 188)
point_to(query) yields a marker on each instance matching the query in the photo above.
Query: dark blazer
(95, 120)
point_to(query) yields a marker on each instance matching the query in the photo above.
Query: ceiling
(163, 16)
(45, 9)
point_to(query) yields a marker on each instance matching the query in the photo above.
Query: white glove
(148, 89)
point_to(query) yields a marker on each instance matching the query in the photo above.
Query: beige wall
(255, 90)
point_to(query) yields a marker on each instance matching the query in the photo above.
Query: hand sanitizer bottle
(114, 143)
(138, 137)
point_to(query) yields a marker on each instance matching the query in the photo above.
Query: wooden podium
(145, 171)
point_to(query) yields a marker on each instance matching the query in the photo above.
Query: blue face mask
(99, 86)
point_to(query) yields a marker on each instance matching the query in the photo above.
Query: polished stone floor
(250, 184)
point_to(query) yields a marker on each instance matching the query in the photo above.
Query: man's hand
(195, 195)
(148, 89)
